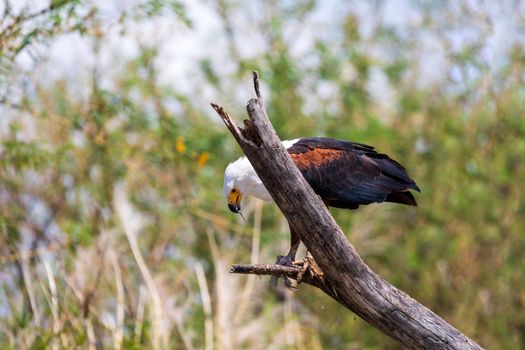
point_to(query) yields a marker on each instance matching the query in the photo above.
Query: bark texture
(336, 267)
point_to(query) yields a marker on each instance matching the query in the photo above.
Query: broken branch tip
(256, 84)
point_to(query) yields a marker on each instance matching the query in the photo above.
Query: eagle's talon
(289, 284)
(284, 260)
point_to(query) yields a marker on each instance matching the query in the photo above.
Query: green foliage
(115, 233)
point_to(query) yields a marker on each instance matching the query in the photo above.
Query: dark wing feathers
(348, 174)
(393, 169)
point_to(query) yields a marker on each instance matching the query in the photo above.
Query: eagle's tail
(403, 197)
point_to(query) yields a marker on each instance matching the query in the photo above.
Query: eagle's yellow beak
(234, 200)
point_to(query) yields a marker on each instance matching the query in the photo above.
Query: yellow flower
(180, 146)
(203, 158)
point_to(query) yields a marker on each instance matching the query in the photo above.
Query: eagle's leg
(288, 259)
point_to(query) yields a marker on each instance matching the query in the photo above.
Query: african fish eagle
(344, 174)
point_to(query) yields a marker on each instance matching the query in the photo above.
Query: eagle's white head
(240, 181)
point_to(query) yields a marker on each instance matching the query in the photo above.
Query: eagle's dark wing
(347, 174)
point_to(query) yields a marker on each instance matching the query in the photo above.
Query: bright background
(114, 232)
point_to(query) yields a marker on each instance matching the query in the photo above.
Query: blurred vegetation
(114, 231)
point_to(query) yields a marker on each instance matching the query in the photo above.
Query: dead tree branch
(341, 272)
